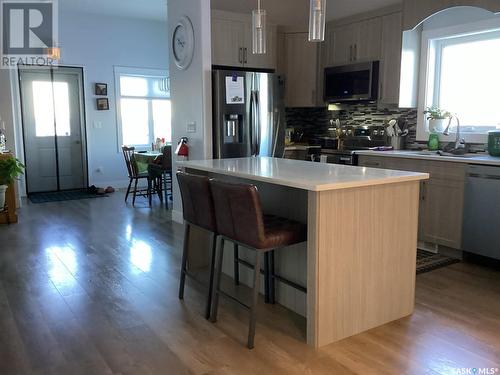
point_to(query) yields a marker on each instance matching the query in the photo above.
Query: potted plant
(10, 169)
(438, 118)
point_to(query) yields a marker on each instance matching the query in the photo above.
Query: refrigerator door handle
(252, 124)
(257, 123)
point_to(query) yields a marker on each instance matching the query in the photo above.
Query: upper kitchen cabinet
(232, 42)
(300, 70)
(228, 41)
(390, 70)
(359, 41)
(264, 61)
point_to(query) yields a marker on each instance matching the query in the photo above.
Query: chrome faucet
(459, 141)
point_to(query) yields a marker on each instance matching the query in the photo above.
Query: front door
(53, 129)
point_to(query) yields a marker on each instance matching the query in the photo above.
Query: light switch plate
(191, 127)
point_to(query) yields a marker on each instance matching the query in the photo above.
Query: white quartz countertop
(302, 174)
(481, 158)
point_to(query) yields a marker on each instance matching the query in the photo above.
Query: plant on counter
(437, 118)
(10, 169)
(436, 113)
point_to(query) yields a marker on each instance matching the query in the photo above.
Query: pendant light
(259, 30)
(317, 21)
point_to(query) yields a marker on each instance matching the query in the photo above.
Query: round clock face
(183, 43)
(179, 41)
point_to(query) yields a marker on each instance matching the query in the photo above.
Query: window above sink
(459, 73)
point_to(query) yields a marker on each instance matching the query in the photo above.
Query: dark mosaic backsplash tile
(315, 122)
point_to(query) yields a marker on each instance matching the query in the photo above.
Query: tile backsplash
(315, 122)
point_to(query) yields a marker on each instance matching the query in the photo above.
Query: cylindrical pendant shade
(259, 31)
(317, 21)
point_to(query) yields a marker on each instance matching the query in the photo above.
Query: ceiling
(144, 9)
(294, 12)
(281, 12)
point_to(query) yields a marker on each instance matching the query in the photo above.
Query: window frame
(433, 41)
(138, 72)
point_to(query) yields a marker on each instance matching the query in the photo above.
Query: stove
(351, 139)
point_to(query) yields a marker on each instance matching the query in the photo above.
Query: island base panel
(362, 246)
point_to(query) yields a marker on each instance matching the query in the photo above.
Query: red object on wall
(182, 147)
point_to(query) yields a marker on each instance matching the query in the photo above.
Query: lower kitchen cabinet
(441, 206)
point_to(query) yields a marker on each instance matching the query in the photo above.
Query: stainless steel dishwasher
(481, 224)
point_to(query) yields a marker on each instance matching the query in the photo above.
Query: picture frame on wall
(101, 89)
(102, 104)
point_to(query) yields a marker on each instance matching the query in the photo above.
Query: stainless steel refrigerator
(248, 114)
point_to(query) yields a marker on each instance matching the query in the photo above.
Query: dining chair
(134, 175)
(167, 171)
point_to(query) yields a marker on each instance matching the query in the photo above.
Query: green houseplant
(10, 169)
(437, 118)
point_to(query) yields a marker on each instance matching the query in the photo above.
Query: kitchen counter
(303, 174)
(293, 147)
(360, 257)
(482, 158)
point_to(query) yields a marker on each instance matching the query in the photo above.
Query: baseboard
(177, 217)
(433, 248)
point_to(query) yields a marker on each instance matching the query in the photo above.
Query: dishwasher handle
(484, 176)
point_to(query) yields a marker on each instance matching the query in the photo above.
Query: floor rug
(427, 261)
(60, 196)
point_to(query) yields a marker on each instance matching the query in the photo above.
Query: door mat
(427, 261)
(60, 196)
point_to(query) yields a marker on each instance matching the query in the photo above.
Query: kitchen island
(361, 240)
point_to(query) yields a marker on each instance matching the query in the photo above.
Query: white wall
(191, 89)
(98, 43)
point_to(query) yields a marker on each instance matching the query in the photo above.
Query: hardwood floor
(90, 287)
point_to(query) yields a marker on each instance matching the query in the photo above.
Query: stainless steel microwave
(352, 83)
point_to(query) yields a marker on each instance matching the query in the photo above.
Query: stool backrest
(197, 202)
(128, 155)
(238, 212)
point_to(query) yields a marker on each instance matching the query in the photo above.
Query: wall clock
(183, 43)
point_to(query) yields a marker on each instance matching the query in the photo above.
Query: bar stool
(198, 211)
(240, 219)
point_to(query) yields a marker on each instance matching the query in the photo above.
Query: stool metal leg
(216, 287)
(187, 228)
(236, 265)
(267, 283)
(211, 279)
(272, 290)
(255, 298)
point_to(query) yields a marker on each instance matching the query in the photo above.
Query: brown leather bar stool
(240, 219)
(198, 211)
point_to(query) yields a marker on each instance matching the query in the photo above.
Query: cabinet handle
(240, 55)
(356, 52)
(313, 97)
(350, 52)
(245, 54)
